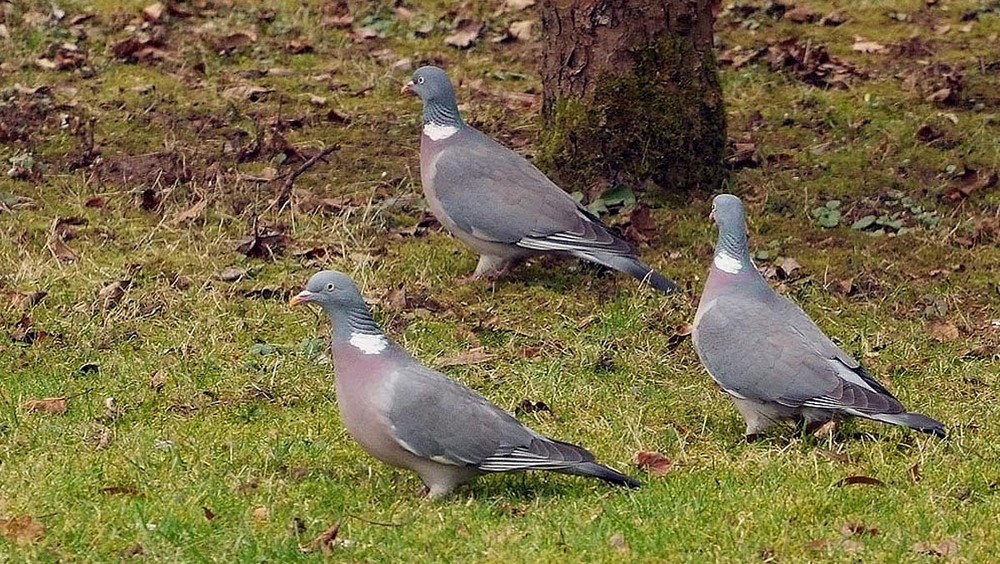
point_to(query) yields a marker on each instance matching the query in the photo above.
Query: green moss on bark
(663, 121)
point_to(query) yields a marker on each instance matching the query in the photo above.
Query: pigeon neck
(354, 325)
(731, 252)
(444, 115)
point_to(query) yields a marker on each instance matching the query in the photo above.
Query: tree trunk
(631, 94)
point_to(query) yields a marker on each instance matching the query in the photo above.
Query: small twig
(378, 523)
(286, 189)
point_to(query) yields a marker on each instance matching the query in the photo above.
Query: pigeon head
(731, 252)
(440, 109)
(432, 85)
(329, 289)
(727, 211)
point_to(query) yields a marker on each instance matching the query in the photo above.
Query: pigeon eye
(329, 287)
(420, 80)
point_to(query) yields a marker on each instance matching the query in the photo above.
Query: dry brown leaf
(853, 528)
(521, 30)
(947, 547)
(653, 462)
(516, 5)
(247, 92)
(477, 355)
(22, 530)
(112, 293)
(942, 330)
(53, 405)
(260, 513)
(788, 267)
(617, 540)
(915, 472)
(236, 40)
(121, 490)
(466, 33)
(324, 542)
(27, 300)
(231, 274)
(864, 46)
(858, 480)
(528, 406)
(60, 250)
(209, 514)
(681, 333)
(153, 12)
(192, 213)
(158, 380)
(801, 14)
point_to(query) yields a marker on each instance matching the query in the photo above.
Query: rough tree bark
(631, 94)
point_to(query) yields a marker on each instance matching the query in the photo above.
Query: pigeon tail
(634, 267)
(595, 470)
(915, 421)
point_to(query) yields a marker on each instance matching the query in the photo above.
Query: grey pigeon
(766, 353)
(410, 416)
(498, 203)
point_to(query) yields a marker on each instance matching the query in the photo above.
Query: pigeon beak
(711, 216)
(302, 297)
(407, 88)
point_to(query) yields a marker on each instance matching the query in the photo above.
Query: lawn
(159, 400)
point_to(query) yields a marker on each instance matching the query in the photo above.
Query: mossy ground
(240, 455)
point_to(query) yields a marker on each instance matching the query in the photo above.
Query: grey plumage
(499, 203)
(410, 416)
(770, 356)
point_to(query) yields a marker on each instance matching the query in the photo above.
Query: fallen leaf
(521, 30)
(835, 456)
(915, 472)
(787, 267)
(617, 540)
(853, 528)
(207, 511)
(680, 334)
(121, 490)
(516, 5)
(59, 249)
(153, 12)
(263, 245)
(833, 19)
(53, 405)
(192, 213)
(969, 182)
(858, 480)
(324, 542)
(466, 33)
(134, 550)
(864, 46)
(231, 274)
(260, 513)
(27, 300)
(247, 92)
(942, 330)
(477, 355)
(112, 293)
(947, 547)
(825, 430)
(801, 14)
(653, 462)
(235, 41)
(528, 406)
(22, 529)
(95, 202)
(158, 380)
(942, 96)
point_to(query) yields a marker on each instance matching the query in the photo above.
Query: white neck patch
(438, 132)
(368, 344)
(728, 263)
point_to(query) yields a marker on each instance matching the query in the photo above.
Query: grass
(238, 454)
